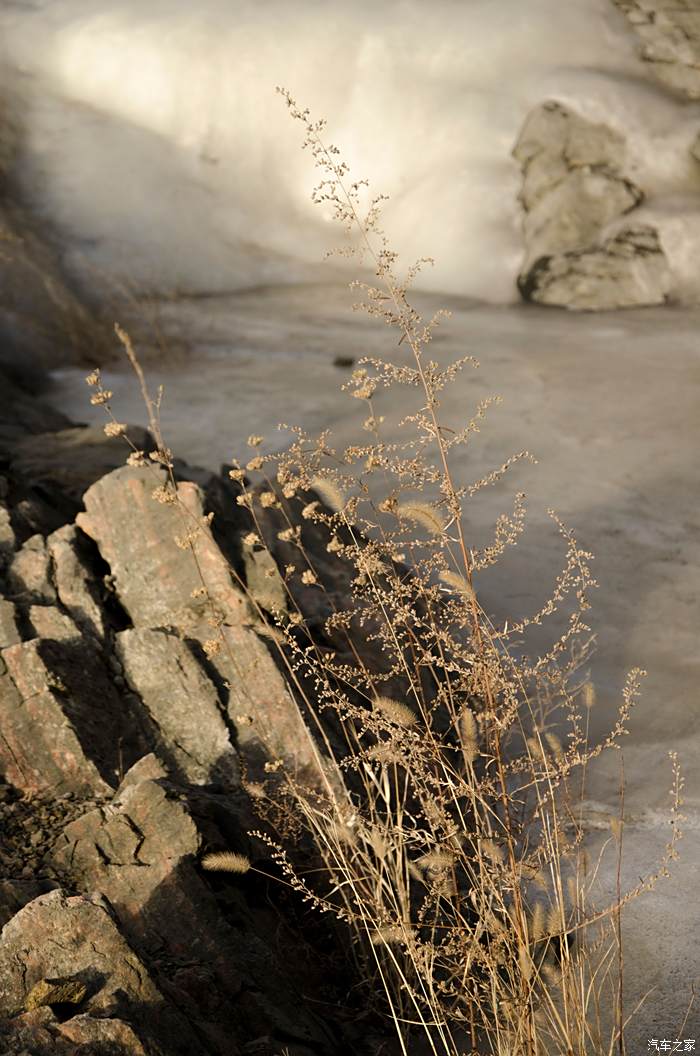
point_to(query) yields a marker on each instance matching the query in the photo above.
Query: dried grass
(451, 856)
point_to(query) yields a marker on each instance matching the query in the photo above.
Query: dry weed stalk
(452, 854)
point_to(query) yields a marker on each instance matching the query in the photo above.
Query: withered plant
(445, 828)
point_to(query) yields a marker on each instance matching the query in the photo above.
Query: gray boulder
(627, 270)
(575, 192)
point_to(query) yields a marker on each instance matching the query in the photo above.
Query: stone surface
(70, 460)
(109, 1036)
(333, 594)
(669, 32)
(574, 193)
(29, 573)
(29, 828)
(14, 894)
(268, 721)
(77, 939)
(49, 622)
(7, 537)
(75, 579)
(141, 852)
(626, 270)
(64, 725)
(33, 1034)
(9, 634)
(155, 581)
(183, 703)
(154, 578)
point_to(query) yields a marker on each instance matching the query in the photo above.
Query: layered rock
(579, 253)
(65, 726)
(167, 677)
(142, 853)
(127, 743)
(669, 32)
(161, 587)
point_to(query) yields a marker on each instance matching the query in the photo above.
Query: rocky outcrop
(127, 745)
(142, 853)
(669, 32)
(159, 586)
(55, 734)
(579, 252)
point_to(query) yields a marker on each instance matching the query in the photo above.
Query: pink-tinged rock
(33, 1034)
(103, 1035)
(154, 578)
(75, 580)
(55, 937)
(183, 703)
(267, 718)
(49, 622)
(63, 725)
(29, 574)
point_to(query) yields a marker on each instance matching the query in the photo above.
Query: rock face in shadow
(70, 460)
(669, 33)
(64, 725)
(77, 940)
(162, 670)
(579, 253)
(141, 851)
(127, 745)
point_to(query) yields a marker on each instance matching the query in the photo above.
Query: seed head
(226, 862)
(458, 583)
(329, 492)
(468, 735)
(423, 514)
(114, 429)
(396, 712)
(389, 935)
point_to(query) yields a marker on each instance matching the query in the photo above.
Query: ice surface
(154, 137)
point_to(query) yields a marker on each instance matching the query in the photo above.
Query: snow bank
(154, 139)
